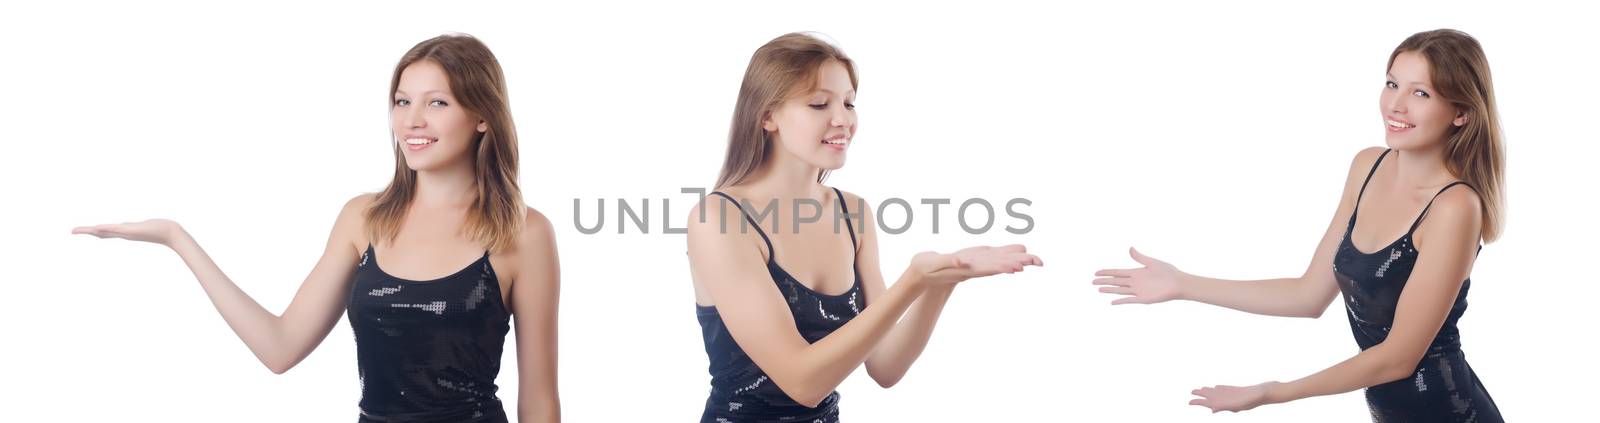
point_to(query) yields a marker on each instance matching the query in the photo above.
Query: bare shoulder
(856, 205)
(717, 228)
(532, 254)
(1457, 207)
(351, 226)
(536, 229)
(862, 217)
(855, 202)
(1360, 167)
(710, 216)
(1363, 161)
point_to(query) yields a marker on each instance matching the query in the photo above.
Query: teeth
(418, 141)
(1397, 124)
(836, 142)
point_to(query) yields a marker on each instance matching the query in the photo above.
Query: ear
(483, 127)
(768, 123)
(1461, 118)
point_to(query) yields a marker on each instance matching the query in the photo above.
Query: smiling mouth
(1397, 125)
(420, 141)
(839, 141)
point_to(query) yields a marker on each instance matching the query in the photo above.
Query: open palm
(975, 262)
(159, 231)
(1156, 282)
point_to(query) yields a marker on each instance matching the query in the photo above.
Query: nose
(412, 118)
(841, 117)
(1394, 102)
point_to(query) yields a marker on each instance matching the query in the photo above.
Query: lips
(838, 140)
(415, 142)
(1396, 124)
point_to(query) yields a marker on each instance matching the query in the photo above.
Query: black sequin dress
(740, 391)
(1443, 388)
(428, 351)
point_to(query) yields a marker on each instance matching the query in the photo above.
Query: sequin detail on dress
(428, 351)
(1443, 387)
(740, 391)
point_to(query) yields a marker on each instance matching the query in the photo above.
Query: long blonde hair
(1474, 152)
(780, 69)
(496, 214)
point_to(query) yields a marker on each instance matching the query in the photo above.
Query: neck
(786, 178)
(1423, 168)
(449, 186)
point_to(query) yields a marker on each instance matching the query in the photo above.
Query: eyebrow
(825, 90)
(400, 91)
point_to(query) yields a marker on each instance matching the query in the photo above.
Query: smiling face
(817, 127)
(1414, 113)
(433, 130)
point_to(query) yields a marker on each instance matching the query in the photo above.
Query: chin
(419, 165)
(1409, 142)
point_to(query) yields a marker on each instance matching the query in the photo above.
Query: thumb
(1140, 257)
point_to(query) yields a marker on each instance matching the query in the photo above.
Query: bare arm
(280, 342)
(535, 295)
(732, 271)
(1305, 296)
(1447, 246)
(905, 342)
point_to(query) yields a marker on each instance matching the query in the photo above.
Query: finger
(1128, 300)
(1138, 257)
(1119, 290)
(1014, 248)
(101, 231)
(1118, 273)
(1111, 281)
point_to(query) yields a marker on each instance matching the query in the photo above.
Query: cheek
(1440, 114)
(458, 125)
(798, 128)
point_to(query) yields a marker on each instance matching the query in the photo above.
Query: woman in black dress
(1400, 248)
(429, 331)
(788, 307)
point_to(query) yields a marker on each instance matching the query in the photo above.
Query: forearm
(826, 363)
(257, 327)
(538, 408)
(905, 342)
(1286, 297)
(1375, 366)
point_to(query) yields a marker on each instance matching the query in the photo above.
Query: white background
(1213, 136)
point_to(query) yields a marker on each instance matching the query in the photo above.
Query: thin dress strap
(1364, 183)
(747, 218)
(851, 226)
(1418, 222)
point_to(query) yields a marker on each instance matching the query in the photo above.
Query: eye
(438, 103)
(402, 102)
(1420, 93)
(822, 106)
(1391, 85)
(850, 106)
